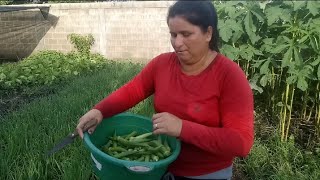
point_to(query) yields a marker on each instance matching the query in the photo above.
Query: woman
(200, 96)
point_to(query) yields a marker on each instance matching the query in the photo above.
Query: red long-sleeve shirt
(216, 107)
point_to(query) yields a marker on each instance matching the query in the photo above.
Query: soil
(13, 100)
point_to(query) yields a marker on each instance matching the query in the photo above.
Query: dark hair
(199, 13)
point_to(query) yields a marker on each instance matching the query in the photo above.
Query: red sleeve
(235, 137)
(130, 94)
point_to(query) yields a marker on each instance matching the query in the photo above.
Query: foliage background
(277, 44)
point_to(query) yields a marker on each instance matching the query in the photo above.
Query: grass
(276, 160)
(27, 133)
(35, 127)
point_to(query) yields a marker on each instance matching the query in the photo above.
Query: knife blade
(70, 138)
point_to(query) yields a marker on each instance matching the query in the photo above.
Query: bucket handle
(139, 167)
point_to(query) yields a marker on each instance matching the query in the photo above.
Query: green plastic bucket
(109, 168)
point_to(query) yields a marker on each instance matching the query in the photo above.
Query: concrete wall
(134, 30)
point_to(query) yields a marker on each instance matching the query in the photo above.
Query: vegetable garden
(275, 43)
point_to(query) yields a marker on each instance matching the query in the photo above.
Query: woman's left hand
(166, 123)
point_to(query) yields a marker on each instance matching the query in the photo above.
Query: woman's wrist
(98, 114)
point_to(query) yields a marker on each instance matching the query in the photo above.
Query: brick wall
(134, 30)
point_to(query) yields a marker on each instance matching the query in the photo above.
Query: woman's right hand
(92, 115)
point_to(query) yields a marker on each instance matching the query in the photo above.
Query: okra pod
(123, 154)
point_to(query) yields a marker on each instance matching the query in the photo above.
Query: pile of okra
(134, 147)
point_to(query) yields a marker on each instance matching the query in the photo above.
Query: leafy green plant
(82, 43)
(277, 45)
(5, 2)
(47, 67)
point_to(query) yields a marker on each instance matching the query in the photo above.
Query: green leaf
(307, 69)
(240, 13)
(286, 39)
(302, 84)
(264, 80)
(258, 14)
(8, 83)
(19, 81)
(265, 67)
(303, 39)
(303, 46)
(13, 74)
(236, 26)
(254, 86)
(268, 41)
(280, 48)
(315, 62)
(291, 79)
(234, 3)
(254, 38)
(297, 56)
(251, 28)
(313, 43)
(273, 14)
(287, 58)
(30, 78)
(257, 63)
(253, 83)
(236, 36)
(256, 51)
(225, 29)
(288, 3)
(263, 4)
(231, 10)
(280, 104)
(230, 51)
(246, 52)
(248, 23)
(315, 25)
(2, 76)
(298, 4)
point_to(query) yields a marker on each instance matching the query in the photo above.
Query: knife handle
(89, 125)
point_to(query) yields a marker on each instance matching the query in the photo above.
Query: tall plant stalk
(290, 112)
(273, 83)
(284, 114)
(317, 117)
(304, 105)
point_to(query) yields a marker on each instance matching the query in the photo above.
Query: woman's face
(188, 40)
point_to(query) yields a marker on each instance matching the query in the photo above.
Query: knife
(70, 138)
